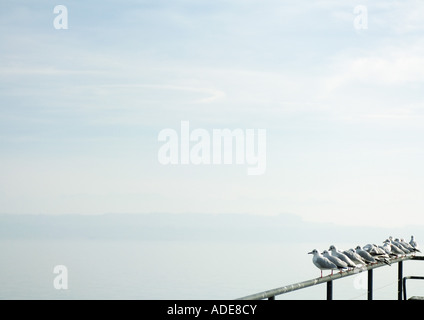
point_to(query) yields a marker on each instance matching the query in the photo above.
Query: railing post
(400, 276)
(330, 290)
(370, 280)
(404, 288)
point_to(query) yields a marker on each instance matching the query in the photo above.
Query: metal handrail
(271, 294)
(404, 283)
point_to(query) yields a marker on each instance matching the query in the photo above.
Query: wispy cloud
(85, 105)
(386, 65)
(211, 94)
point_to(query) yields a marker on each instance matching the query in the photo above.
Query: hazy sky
(81, 108)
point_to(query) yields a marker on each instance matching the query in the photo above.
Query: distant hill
(191, 227)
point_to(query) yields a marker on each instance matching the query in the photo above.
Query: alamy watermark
(220, 146)
(361, 20)
(61, 20)
(60, 282)
(360, 281)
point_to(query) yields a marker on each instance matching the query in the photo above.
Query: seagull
(401, 246)
(373, 250)
(356, 258)
(407, 245)
(378, 253)
(414, 244)
(336, 253)
(393, 248)
(338, 262)
(388, 249)
(394, 244)
(365, 255)
(321, 262)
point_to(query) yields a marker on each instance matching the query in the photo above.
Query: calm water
(175, 270)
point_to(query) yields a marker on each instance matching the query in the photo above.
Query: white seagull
(338, 262)
(338, 254)
(377, 253)
(393, 249)
(394, 244)
(321, 262)
(355, 257)
(402, 246)
(365, 255)
(387, 248)
(374, 250)
(407, 245)
(414, 243)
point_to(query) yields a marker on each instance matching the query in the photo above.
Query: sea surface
(177, 270)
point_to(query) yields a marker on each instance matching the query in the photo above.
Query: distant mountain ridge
(190, 227)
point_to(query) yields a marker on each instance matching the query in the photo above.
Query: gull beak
(310, 252)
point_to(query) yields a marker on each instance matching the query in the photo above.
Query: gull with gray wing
(338, 262)
(414, 244)
(365, 255)
(321, 262)
(355, 257)
(338, 254)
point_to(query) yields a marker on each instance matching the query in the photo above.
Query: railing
(271, 294)
(404, 286)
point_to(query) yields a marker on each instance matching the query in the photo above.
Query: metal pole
(404, 287)
(400, 276)
(370, 280)
(330, 290)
